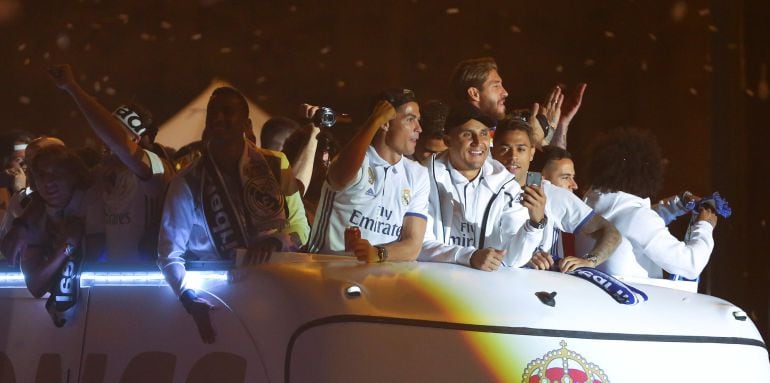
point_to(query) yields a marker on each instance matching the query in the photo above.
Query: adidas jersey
(566, 213)
(377, 202)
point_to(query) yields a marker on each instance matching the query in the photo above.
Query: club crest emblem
(561, 366)
(406, 197)
(371, 176)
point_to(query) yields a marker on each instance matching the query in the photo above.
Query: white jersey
(566, 214)
(647, 247)
(461, 210)
(132, 211)
(377, 202)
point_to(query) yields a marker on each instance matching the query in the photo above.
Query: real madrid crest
(406, 196)
(371, 176)
(563, 366)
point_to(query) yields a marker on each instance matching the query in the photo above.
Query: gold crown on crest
(572, 369)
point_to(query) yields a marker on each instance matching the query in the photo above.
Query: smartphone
(534, 178)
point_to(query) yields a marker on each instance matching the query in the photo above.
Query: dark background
(694, 72)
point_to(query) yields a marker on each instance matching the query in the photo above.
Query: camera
(324, 117)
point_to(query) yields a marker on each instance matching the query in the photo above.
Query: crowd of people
(464, 181)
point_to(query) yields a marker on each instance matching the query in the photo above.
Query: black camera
(324, 117)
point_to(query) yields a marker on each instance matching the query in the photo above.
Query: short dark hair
(627, 160)
(549, 153)
(64, 157)
(470, 73)
(512, 125)
(228, 90)
(273, 126)
(433, 114)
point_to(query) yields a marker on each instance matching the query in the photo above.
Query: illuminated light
(153, 278)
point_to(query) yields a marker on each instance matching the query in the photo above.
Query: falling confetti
(422, 66)
(515, 28)
(589, 62)
(27, 61)
(359, 63)
(609, 34)
(63, 41)
(196, 36)
(97, 87)
(452, 11)
(105, 78)
(559, 68)
(293, 8)
(652, 36)
(487, 46)
(708, 68)
(225, 50)
(643, 66)
(704, 12)
(254, 47)
(713, 28)
(261, 80)
(257, 32)
(69, 26)
(326, 50)
(165, 25)
(24, 100)
(110, 91)
(693, 91)
(47, 56)
(749, 92)
(679, 11)
(22, 47)
(340, 84)
(123, 17)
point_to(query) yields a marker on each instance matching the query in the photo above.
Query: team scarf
(61, 304)
(619, 291)
(238, 218)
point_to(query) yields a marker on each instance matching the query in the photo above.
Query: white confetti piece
(21, 47)
(643, 66)
(589, 62)
(679, 11)
(708, 68)
(713, 28)
(359, 63)
(652, 36)
(293, 8)
(110, 91)
(105, 78)
(261, 79)
(326, 50)
(123, 17)
(196, 36)
(452, 11)
(165, 25)
(559, 68)
(515, 28)
(63, 41)
(749, 92)
(340, 84)
(704, 12)
(69, 26)
(97, 86)
(47, 56)
(27, 61)
(609, 34)
(225, 50)
(422, 66)
(693, 91)
(24, 100)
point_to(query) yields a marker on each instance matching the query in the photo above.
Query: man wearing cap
(132, 179)
(372, 185)
(474, 211)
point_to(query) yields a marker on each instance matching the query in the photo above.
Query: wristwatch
(594, 259)
(539, 225)
(382, 254)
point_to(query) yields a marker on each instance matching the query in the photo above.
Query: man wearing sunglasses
(373, 186)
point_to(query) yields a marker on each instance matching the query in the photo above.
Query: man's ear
(384, 127)
(474, 94)
(447, 139)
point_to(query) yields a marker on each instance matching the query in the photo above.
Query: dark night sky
(679, 68)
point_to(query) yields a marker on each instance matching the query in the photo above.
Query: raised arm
(103, 123)
(568, 110)
(347, 164)
(302, 166)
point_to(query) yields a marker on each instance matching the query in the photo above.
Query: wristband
(382, 253)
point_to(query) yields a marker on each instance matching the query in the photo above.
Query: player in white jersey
(474, 203)
(565, 212)
(131, 180)
(372, 185)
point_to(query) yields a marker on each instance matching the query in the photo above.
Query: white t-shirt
(132, 210)
(566, 214)
(377, 202)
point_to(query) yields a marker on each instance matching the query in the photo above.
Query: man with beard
(235, 196)
(479, 216)
(372, 185)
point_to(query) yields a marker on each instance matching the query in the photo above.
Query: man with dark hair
(372, 185)
(477, 82)
(235, 196)
(132, 179)
(479, 216)
(565, 212)
(557, 166)
(431, 141)
(624, 173)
